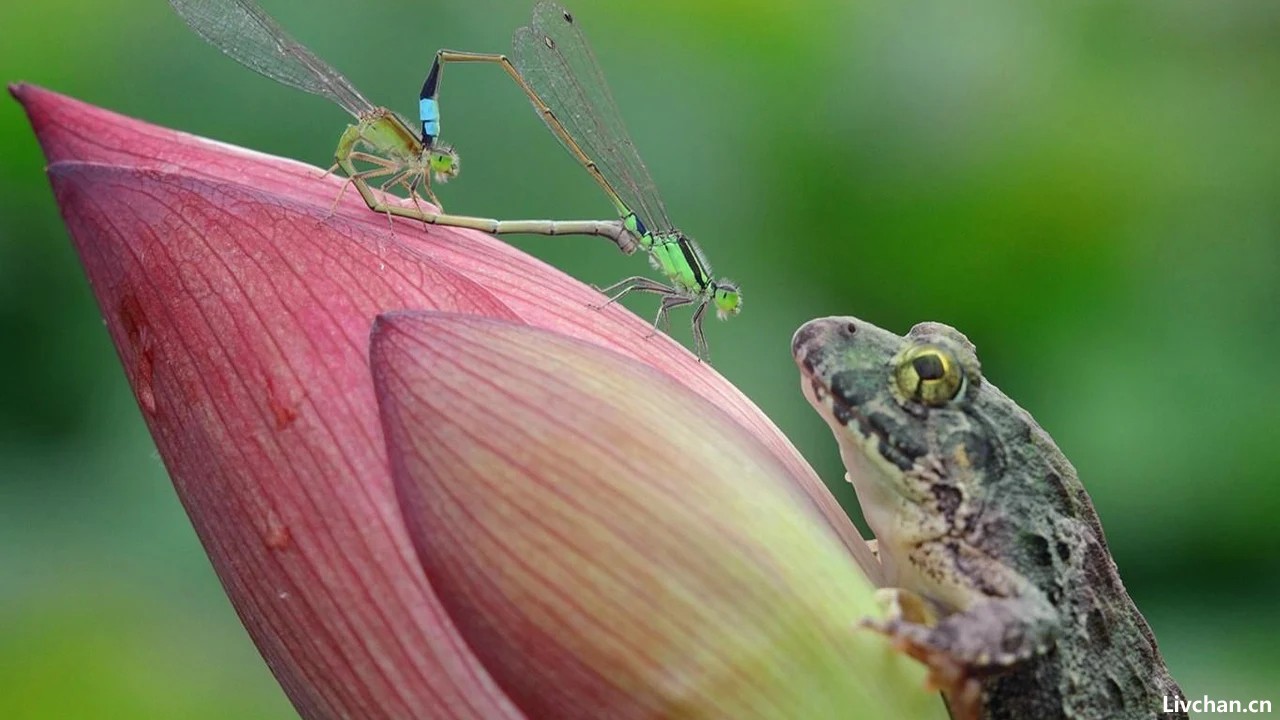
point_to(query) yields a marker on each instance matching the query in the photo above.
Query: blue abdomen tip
(429, 111)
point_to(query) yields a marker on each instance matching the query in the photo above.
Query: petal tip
(31, 97)
(26, 93)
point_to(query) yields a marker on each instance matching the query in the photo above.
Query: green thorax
(389, 135)
(677, 257)
(680, 260)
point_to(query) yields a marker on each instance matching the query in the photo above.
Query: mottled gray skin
(977, 512)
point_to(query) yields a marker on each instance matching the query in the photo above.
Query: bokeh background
(1090, 190)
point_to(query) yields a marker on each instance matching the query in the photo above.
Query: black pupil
(928, 367)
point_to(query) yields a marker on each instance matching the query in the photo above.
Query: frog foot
(945, 670)
(905, 606)
(948, 674)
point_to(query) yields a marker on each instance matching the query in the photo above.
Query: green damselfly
(554, 66)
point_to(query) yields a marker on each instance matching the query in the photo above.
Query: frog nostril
(851, 328)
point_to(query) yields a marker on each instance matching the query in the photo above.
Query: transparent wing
(555, 59)
(248, 34)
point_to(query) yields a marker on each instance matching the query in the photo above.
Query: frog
(994, 568)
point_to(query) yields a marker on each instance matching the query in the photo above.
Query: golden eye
(929, 374)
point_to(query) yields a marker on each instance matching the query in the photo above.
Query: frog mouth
(873, 430)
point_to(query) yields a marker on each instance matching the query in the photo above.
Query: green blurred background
(1090, 190)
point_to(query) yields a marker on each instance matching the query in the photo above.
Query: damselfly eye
(929, 374)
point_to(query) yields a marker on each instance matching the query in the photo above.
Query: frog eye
(929, 374)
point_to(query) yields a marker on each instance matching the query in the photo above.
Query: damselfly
(554, 65)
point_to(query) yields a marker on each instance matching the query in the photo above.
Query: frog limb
(956, 649)
(1006, 619)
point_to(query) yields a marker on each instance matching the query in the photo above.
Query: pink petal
(244, 342)
(69, 129)
(613, 546)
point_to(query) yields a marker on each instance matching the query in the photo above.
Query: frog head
(891, 396)
(901, 409)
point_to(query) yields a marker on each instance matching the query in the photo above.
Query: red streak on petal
(278, 537)
(285, 412)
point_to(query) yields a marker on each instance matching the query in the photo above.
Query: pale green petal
(610, 545)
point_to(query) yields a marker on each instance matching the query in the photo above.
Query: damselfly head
(444, 163)
(727, 298)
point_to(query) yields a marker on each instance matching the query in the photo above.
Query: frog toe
(954, 677)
